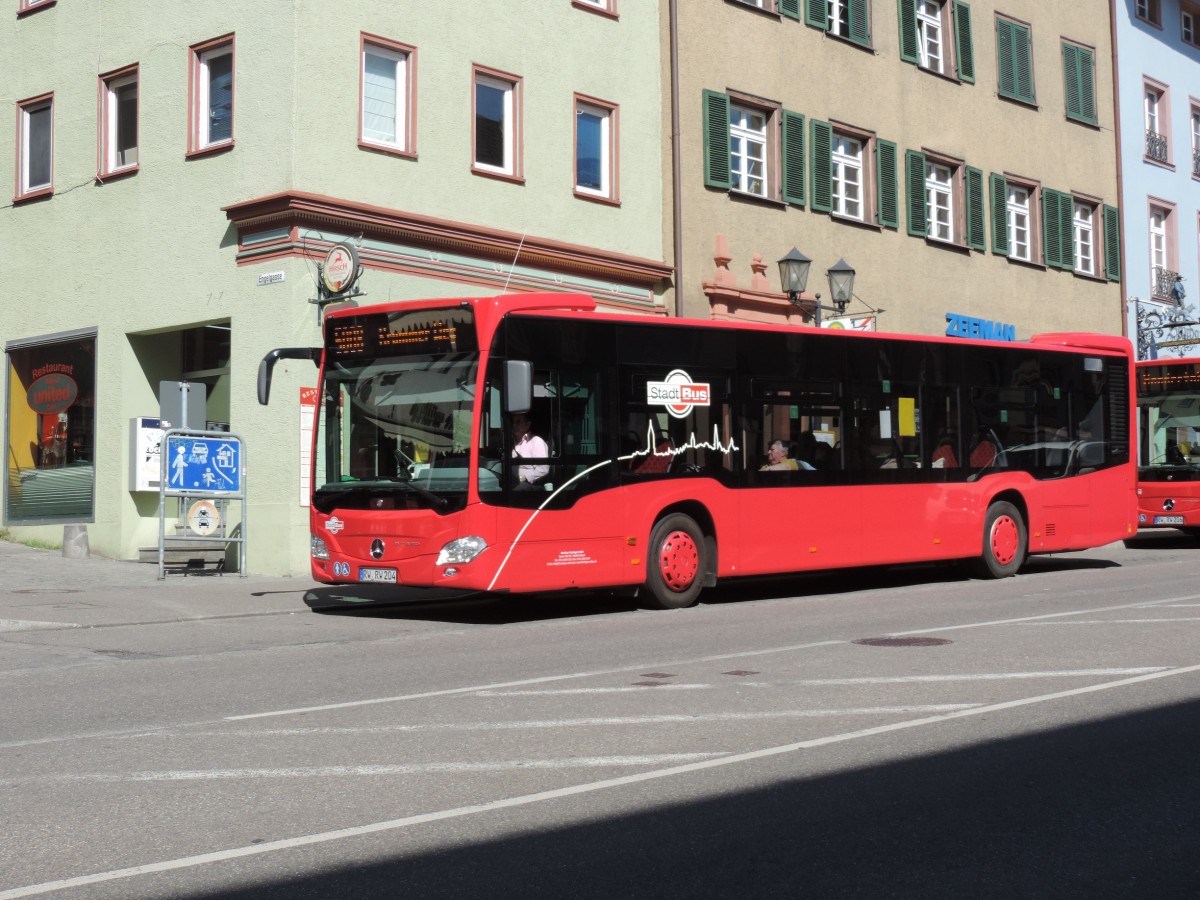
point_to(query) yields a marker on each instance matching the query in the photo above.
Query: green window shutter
(1051, 229)
(793, 158)
(822, 166)
(790, 8)
(1112, 244)
(1066, 220)
(887, 184)
(860, 28)
(963, 42)
(1016, 66)
(976, 217)
(716, 141)
(998, 185)
(914, 177)
(816, 13)
(909, 51)
(1078, 78)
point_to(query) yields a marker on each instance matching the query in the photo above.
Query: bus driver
(528, 445)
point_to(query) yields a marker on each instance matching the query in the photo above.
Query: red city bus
(654, 434)
(1168, 407)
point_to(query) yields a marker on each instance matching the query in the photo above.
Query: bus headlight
(318, 548)
(462, 550)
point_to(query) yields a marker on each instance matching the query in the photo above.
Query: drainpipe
(1116, 76)
(676, 202)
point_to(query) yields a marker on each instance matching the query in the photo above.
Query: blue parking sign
(203, 465)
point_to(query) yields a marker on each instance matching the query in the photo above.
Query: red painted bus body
(1168, 398)
(922, 448)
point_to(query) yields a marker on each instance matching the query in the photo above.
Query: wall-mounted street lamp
(793, 276)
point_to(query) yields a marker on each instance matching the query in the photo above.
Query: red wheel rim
(678, 561)
(1005, 540)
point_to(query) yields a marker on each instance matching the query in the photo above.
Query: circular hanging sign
(52, 393)
(203, 517)
(340, 269)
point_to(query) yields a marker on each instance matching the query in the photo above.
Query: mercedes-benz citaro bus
(657, 468)
(1168, 403)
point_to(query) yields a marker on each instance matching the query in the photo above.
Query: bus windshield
(1169, 421)
(397, 397)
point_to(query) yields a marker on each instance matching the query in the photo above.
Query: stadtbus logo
(678, 393)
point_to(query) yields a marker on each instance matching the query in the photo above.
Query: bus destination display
(404, 334)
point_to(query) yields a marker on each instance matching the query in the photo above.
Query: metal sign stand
(208, 467)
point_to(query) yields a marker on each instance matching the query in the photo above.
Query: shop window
(51, 430)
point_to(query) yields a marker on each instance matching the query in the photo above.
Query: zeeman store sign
(969, 326)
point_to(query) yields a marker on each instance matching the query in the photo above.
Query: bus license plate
(1168, 520)
(380, 576)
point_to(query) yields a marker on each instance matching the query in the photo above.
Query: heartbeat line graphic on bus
(715, 444)
(692, 444)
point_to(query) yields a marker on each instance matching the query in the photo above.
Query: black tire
(676, 562)
(1005, 542)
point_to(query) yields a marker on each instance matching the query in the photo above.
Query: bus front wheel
(676, 564)
(1005, 542)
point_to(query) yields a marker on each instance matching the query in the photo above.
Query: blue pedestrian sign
(202, 465)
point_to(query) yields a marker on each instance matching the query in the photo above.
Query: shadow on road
(1097, 811)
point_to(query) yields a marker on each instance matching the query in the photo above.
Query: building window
(1163, 270)
(848, 177)
(748, 150)
(945, 200)
(936, 35)
(1195, 141)
(752, 149)
(1020, 222)
(608, 7)
(1148, 10)
(35, 147)
(51, 429)
(1083, 231)
(386, 114)
(854, 175)
(1157, 117)
(1189, 22)
(497, 115)
(1079, 78)
(1014, 52)
(33, 5)
(119, 122)
(849, 19)
(595, 148)
(212, 95)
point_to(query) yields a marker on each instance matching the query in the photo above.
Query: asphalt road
(904, 733)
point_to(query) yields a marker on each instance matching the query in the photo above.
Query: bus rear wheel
(677, 562)
(1005, 542)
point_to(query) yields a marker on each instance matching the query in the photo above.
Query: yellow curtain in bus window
(908, 417)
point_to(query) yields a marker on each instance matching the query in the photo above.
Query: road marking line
(676, 718)
(449, 692)
(558, 793)
(658, 688)
(1121, 621)
(31, 625)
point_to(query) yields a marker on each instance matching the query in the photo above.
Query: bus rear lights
(462, 550)
(318, 548)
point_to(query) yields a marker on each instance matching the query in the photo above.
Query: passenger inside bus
(779, 459)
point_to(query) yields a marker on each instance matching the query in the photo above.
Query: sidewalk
(42, 589)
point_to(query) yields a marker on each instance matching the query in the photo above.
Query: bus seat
(984, 453)
(654, 464)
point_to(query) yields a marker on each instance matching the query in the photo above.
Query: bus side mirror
(518, 385)
(268, 364)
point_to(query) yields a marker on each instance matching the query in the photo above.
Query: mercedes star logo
(376, 549)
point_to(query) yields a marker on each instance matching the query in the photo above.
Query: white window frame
(1150, 104)
(25, 110)
(839, 18)
(931, 29)
(402, 63)
(510, 89)
(1159, 239)
(1187, 27)
(1083, 230)
(848, 188)
(203, 56)
(1019, 205)
(743, 140)
(111, 86)
(608, 7)
(939, 202)
(607, 114)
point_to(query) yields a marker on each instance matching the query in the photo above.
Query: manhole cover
(902, 642)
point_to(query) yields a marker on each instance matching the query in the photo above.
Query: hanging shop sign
(340, 269)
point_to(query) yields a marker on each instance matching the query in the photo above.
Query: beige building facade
(960, 157)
